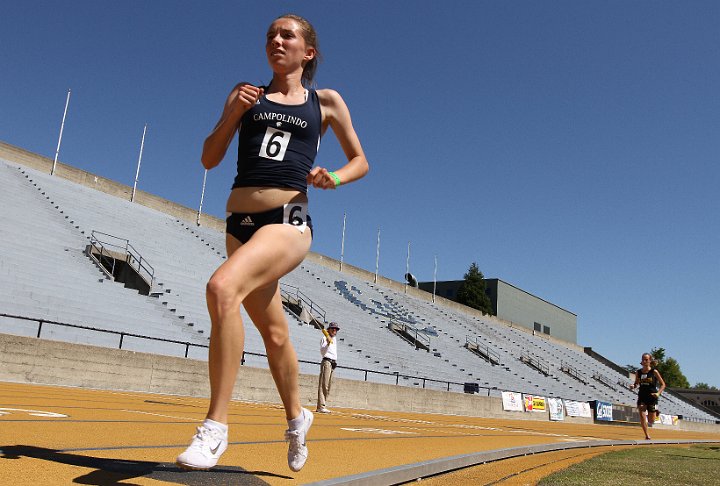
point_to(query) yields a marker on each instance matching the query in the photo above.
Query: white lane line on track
(464, 426)
(161, 415)
(36, 413)
(376, 431)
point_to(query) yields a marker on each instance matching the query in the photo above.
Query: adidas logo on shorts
(247, 221)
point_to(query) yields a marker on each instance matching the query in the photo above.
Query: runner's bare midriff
(258, 199)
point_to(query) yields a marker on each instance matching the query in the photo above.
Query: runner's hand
(320, 177)
(247, 96)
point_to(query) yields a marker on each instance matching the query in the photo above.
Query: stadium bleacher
(46, 275)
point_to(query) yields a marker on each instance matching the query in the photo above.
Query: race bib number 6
(295, 214)
(274, 144)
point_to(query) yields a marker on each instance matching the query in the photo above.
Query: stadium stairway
(47, 275)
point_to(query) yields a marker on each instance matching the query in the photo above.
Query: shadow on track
(113, 471)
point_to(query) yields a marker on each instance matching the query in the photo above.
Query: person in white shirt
(328, 350)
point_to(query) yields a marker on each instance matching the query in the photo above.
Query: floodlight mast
(342, 242)
(377, 256)
(202, 196)
(137, 172)
(407, 266)
(434, 280)
(62, 126)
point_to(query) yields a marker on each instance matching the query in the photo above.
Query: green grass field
(694, 465)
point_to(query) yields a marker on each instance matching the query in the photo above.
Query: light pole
(62, 126)
(202, 196)
(137, 172)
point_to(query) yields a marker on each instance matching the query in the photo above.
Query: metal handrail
(101, 249)
(314, 308)
(188, 344)
(415, 333)
(396, 374)
(536, 363)
(490, 354)
(604, 380)
(566, 368)
(131, 254)
(122, 334)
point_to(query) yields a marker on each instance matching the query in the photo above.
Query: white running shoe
(205, 449)
(297, 449)
(323, 410)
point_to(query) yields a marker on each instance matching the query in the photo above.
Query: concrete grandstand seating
(44, 274)
(182, 258)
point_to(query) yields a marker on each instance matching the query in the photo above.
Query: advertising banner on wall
(512, 401)
(557, 411)
(666, 419)
(528, 400)
(538, 404)
(577, 409)
(603, 411)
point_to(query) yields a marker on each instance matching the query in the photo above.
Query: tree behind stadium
(472, 291)
(669, 368)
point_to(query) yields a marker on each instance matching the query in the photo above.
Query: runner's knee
(221, 295)
(275, 337)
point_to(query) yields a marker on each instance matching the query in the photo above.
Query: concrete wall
(41, 361)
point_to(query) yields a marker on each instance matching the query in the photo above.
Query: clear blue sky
(569, 148)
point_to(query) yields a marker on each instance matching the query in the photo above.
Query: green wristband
(335, 178)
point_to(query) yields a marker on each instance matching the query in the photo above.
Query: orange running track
(56, 435)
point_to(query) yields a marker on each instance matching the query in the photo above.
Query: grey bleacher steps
(187, 255)
(170, 314)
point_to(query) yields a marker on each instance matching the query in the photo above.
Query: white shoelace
(204, 435)
(293, 436)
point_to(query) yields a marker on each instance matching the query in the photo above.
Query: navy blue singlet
(648, 381)
(278, 143)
